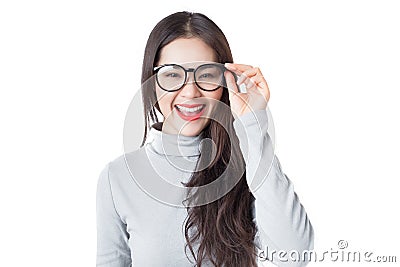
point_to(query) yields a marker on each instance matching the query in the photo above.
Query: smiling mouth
(190, 112)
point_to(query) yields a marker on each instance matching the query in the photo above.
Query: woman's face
(187, 110)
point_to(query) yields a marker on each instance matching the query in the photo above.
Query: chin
(193, 128)
(187, 126)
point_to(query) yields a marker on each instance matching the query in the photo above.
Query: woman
(185, 78)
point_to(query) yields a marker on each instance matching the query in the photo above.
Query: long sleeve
(112, 238)
(281, 219)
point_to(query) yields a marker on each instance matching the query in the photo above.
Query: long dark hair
(224, 229)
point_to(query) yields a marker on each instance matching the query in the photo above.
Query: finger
(261, 87)
(250, 84)
(255, 76)
(261, 84)
(239, 67)
(259, 79)
(231, 84)
(258, 83)
(243, 79)
(249, 73)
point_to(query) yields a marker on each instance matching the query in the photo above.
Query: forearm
(281, 219)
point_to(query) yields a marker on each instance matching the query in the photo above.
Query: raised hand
(257, 92)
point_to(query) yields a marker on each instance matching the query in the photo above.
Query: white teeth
(185, 109)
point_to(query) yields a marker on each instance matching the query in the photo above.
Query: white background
(69, 69)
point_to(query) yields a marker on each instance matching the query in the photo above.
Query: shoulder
(127, 159)
(119, 169)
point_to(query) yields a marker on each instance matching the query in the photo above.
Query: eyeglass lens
(208, 77)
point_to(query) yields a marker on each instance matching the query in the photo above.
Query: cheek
(164, 100)
(216, 94)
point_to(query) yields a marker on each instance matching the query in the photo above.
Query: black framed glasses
(208, 77)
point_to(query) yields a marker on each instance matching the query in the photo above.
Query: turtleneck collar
(173, 144)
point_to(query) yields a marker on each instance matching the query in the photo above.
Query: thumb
(231, 84)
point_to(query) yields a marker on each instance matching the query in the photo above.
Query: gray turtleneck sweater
(139, 220)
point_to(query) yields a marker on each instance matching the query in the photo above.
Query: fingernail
(230, 66)
(241, 79)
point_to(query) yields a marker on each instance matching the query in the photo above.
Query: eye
(206, 75)
(172, 75)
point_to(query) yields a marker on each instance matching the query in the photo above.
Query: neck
(173, 143)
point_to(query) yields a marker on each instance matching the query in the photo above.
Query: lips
(190, 112)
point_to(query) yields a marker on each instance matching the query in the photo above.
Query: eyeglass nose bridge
(187, 76)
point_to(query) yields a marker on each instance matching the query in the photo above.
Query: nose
(190, 89)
